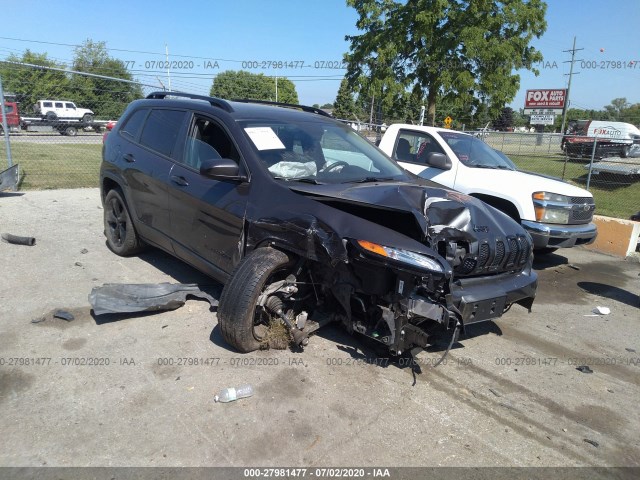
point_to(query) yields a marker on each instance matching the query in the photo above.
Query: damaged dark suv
(305, 222)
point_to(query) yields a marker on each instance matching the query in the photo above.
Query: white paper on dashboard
(264, 138)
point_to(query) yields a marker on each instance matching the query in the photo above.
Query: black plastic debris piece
(143, 297)
(78, 264)
(584, 369)
(63, 315)
(630, 350)
(84, 250)
(18, 240)
(592, 442)
(575, 267)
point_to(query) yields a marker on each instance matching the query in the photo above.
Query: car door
(207, 215)
(411, 149)
(151, 141)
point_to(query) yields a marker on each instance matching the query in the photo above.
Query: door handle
(128, 157)
(179, 180)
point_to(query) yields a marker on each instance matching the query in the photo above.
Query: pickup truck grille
(501, 255)
(582, 209)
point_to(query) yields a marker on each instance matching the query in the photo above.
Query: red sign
(545, 98)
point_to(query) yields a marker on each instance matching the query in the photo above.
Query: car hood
(424, 212)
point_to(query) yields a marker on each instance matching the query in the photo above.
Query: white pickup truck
(555, 213)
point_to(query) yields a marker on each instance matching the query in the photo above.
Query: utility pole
(566, 100)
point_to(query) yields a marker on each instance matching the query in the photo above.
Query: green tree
(344, 106)
(31, 84)
(504, 120)
(464, 48)
(106, 97)
(232, 84)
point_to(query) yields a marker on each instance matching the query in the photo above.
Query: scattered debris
(18, 240)
(592, 442)
(9, 178)
(143, 297)
(609, 390)
(630, 350)
(584, 369)
(497, 394)
(165, 326)
(84, 250)
(575, 267)
(551, 327)
(63, 315)
(230, 394)
(38, 320)
(78, 264)
(602, 310)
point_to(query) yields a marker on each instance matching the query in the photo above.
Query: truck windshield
(474, 153)
(319, 152)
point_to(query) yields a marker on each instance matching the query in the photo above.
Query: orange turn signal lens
(540, 212)
(373, 247)
(539, 196)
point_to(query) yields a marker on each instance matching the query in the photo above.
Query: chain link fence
(52, 156)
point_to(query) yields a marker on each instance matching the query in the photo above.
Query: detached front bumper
(560, 236)
(480, 299)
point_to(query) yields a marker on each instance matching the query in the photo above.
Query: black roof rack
(304, 108)
(215, 102)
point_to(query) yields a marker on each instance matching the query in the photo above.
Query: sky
(204, 38)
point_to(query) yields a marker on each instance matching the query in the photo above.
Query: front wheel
(122, 237)
(244, 325)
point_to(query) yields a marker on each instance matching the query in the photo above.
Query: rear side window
(59, 105)
(161, 130)
(134, 123)
(47, 104)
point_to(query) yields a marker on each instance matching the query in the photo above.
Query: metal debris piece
(18, 240)
(575, 267)
(584, 369)
(143, 297)
(63, 315)
(592, 442)
(497, 394)
(9, 178)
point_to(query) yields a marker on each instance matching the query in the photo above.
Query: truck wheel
(51, 116)
(87, 118)
(70, 131)
(122, 237)
(624, 153)
(244, 325)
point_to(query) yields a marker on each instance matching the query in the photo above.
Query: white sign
(542, 111)
(542, 119)
(264, 138)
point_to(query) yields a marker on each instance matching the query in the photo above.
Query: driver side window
(414, 147)
(207, 141)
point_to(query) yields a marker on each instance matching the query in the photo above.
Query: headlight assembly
(551, 207)
(403, 256)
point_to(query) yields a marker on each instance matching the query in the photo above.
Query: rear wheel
(121, 235)
(70, 131)
(244, 325)
(87, 118)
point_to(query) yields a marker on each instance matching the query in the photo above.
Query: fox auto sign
(545, 99)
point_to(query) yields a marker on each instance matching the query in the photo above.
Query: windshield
(319, 152)
(473, 152)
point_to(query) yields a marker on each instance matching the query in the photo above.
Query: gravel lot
(508, 395)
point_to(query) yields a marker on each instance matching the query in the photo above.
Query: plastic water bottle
(230, 394)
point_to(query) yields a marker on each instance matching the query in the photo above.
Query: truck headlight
(551, 207)
(403, 256)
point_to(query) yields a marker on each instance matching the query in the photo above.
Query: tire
(87, 118)
(51, 116)
(70, 131)
(242, 326)
(122, 238)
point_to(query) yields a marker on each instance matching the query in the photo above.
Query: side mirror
(438, 160)
(221, 169)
